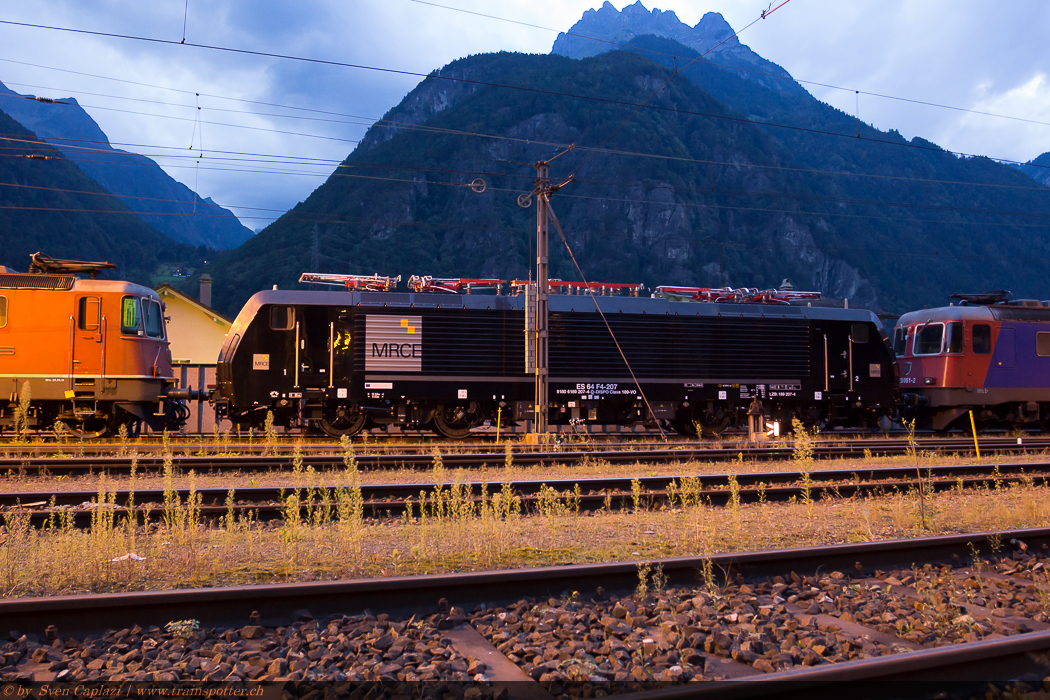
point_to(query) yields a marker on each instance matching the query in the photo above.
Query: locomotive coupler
(187, 395)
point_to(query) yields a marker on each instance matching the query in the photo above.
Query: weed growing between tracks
(328, 536)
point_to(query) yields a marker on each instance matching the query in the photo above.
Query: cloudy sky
(966, 54)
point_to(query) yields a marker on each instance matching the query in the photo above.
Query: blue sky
(974, 55)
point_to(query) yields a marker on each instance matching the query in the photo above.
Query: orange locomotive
(93, 352)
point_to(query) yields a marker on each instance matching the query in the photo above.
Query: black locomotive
(344, 360)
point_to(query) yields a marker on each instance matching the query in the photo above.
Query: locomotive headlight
(930, 381)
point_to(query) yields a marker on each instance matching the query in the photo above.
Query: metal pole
(542, 290)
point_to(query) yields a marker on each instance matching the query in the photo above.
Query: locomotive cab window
(859, 333)
(1042, 344)
(89, 313)
(900, 340)
(153, 318)
(955, 337)
(982, 339)
(3, 312)
(928, 340)
(282, 318)
(130, 316)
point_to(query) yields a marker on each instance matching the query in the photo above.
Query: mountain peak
(714, 27)
(712, 35)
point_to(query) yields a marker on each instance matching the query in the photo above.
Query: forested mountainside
(52, 206)
(140, 183)
(697, 188)
(607, 29)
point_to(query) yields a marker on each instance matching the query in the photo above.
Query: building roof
(167, 290)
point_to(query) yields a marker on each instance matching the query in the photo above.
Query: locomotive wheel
(349, 424)
(713, 425)
(449, 425)
(88, 427)
(684, 427)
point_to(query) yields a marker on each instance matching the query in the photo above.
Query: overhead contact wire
(438, 76)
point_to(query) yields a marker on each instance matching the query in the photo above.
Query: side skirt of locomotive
(945, 408)
(689, 408)
(90, 406)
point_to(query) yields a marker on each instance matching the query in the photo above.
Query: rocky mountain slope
(1038, 169)
(52, 206)
(607, 29)
(142, 185)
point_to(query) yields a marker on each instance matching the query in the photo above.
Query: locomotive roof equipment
(43, 263)
(995, 297)
(371, 283)
(453, 285)
(743, 295)
(577, 288)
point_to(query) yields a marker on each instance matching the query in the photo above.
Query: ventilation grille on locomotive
(673, 347)
(27, 281)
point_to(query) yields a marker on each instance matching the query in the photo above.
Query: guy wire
(546, 202)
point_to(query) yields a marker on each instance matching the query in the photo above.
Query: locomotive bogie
(341, 361)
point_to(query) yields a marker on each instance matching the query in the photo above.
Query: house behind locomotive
(93, 352)
(992, 358)
(341, 360)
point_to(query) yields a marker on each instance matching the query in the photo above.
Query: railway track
(155, 448)
(386, 457)
(393, 500)
(951, 610)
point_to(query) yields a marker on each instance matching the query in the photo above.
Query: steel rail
(268, 502)
(959, 666)
(310, 447)
(372, 461)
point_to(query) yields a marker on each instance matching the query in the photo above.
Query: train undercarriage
(456, 420)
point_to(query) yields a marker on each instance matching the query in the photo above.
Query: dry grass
(448, 531)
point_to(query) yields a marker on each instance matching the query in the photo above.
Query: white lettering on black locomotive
(394, 343)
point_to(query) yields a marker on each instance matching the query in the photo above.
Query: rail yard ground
(326, 534)
(649, 630)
